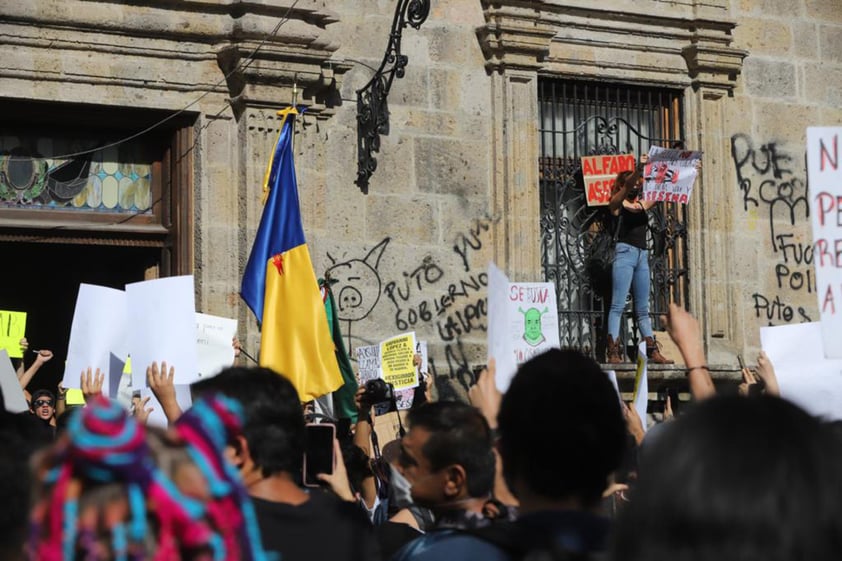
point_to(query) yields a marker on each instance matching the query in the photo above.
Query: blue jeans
(631, 270)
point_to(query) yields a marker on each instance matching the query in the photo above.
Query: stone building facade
(459, 179)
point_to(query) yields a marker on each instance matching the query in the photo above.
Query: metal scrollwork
(578, 122)
(372, 99)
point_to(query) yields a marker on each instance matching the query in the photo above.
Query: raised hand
(91, 383)
(338, 480)
(162, 385)
(485, 396)
(749, 380)
(766, 372)
(139, 409)
(43, 356)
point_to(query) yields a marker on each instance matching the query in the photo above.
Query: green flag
(343, 398)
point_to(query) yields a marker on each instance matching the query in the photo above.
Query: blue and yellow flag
(280, 287)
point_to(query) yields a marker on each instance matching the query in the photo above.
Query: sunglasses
(43, 402)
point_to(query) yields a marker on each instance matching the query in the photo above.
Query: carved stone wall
(457, 177)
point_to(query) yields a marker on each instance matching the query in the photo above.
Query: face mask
(400, 489)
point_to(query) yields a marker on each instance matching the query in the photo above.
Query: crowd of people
(557, 468)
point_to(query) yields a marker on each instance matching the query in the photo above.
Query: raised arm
(40, 359)
(684, 330)
(485, 396)
(631, 181)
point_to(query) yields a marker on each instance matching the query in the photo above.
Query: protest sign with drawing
(669, 175)
(825, 177)
(12, 330)
(599, 173)
(522, 322)
(533, 314)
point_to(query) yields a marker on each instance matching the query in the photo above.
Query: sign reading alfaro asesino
(600, 172)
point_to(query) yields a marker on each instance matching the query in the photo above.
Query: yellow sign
(74, 397)
(12, 330)
(396, 361)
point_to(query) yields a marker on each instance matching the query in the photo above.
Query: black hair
(734, 478)
(561, 428)
(41, 393)
(459, 434)
(22, 436)
(274, 420)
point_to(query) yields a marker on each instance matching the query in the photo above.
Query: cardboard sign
(12, 330)
(825, 176)
(600, 172)
(669, 175)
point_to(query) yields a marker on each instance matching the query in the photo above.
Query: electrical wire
(245, 63)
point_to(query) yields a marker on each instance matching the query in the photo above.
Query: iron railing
(582, 119)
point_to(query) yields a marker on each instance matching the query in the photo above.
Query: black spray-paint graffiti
(423, 298)
(767, 182)
(356, 283)
(471, 241)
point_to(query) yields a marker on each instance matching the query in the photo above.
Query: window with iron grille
(583, 119)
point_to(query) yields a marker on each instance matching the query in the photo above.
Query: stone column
(514, 44)
(715, 295)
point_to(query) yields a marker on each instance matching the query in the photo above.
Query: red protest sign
(600, 172)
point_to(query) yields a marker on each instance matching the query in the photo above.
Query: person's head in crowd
(14, 482)
(561, 432)
(112, 489)
(273, 436)
(447, 455)
(748, 479)
(43, 404)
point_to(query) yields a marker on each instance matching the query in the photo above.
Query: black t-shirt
(633, 228)
(324, 527)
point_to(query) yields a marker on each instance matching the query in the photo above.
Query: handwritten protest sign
(13, 397)
(397, 361)
(600, 172)
(12, 330)
(805, 376)
(369, 367)
(534, 318)
(214, 336)
(669, 175)
(825, 175)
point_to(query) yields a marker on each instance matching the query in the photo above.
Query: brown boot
(614, 353)
(653, 352)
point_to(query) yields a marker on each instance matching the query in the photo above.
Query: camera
(378, 391)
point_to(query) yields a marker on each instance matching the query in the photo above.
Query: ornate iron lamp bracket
(372, 105)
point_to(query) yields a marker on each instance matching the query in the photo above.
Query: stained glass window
(64, 173)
